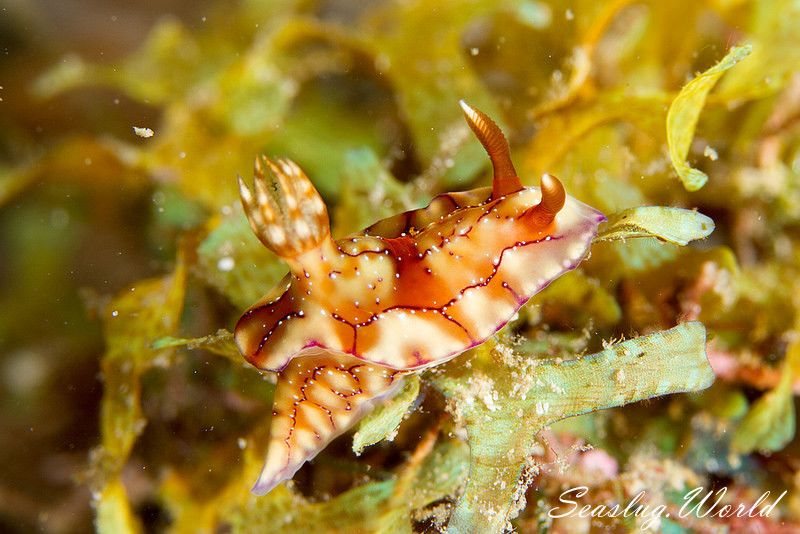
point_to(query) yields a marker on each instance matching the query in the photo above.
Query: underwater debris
(143, 132)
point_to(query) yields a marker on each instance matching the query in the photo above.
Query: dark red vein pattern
(317, 398)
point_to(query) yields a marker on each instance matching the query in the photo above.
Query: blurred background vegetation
(110, 241)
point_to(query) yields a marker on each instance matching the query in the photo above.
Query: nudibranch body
(409, 292)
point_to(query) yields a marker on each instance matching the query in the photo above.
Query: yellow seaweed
(684, 113)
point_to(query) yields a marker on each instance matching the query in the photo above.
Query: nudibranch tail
(286, 212)
(319, 396)
(491, 137)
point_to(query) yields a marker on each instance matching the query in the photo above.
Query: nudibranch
(409, 292)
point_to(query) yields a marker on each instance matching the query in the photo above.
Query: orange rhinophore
(409, 292)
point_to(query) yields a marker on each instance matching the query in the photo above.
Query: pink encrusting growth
(409, 292)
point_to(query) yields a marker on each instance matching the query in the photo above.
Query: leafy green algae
(233, 260)
(673, 225)
(384, 420)
(364, 98)
(770, 423)
(145, 311)
(685, 111)
(505, 403)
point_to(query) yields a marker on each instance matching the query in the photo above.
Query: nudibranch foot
(286, 212)
(319, 396)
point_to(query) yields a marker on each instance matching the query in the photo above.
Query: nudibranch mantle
(409, 292)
